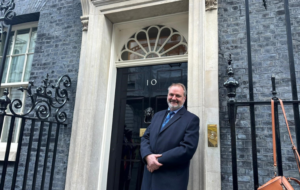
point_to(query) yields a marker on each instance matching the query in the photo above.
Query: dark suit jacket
(177, 143)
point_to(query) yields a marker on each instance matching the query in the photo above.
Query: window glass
(28, 68)
(19, 56)
(16, 69)
(14, 93)
(3, 37)
(32, 40)
(11, 41)
(5, 69)
(5, 130)
(152, 32)
(153, 42)
(21, 41)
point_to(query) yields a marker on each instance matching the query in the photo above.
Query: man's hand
(152, 162)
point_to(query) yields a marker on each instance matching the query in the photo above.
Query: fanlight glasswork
(154, 41)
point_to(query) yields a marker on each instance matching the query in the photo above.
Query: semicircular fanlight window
(152, 42)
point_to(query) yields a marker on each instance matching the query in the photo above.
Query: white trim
(123, 31)
(110, 97)
(25, 25)
(16, 84)
(152, 61)
(107, 7)
(26, 53)
(108, 118)
(158, 19)
(109, 2)
(16, 55)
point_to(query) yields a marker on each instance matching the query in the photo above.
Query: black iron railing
(232, 84)
(39, 118)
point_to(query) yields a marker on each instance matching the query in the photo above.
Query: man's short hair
(181, 85)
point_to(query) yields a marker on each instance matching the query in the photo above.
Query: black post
(18, 154)
(54, 155)
(28, 155)
(46, 155)
(231, 84)
(37, 157)
(231, 113)
(249, 52)
(277, 131)
(292, 71)
(7, 151)
(251, 96)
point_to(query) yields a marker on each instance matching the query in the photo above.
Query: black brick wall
(269, 56)
(57, 53)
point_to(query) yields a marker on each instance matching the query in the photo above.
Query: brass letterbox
(212, 135)
(142, 131)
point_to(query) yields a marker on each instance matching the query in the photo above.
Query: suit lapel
(160, 120)
(176, 117)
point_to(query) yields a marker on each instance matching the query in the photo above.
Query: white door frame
(92, 120)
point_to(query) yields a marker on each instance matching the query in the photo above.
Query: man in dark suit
(169, 144)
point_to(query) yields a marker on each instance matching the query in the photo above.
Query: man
(169, 143)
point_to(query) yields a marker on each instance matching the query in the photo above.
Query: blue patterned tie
(169, 116)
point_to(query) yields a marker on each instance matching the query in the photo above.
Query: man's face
(175, 97)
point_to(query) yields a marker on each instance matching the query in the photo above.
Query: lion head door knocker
(148, 114)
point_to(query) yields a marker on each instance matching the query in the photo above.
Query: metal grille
(231, 84)
(38, 136)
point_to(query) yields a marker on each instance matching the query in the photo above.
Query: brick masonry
(57, 53)
(58, 49)
(269, 56)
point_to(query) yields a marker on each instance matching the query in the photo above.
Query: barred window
(19, 55)
(17, 69)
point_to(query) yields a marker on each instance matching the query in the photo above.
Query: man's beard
(173, 107)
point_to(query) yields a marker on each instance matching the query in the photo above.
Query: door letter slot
(212, 135)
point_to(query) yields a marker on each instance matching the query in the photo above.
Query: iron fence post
(277, 131)
(231, 84)
(251, 95)
(292, 71)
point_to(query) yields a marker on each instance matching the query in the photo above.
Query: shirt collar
(175, 110)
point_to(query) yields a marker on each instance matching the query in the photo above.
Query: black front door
(138, 90)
